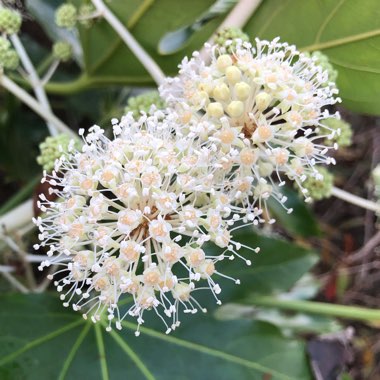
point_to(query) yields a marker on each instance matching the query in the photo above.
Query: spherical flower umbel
(62, 50)
(143, 103)
(10, 20)
(262, 109)
(66, 16)
(53, 147)
(8, 56)
(131, 221)
(229, 37)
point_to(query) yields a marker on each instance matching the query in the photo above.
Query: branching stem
(32, 103)
(150, 65)
(34, 80)
(355, 200)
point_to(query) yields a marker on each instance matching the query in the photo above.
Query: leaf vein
(39, 341)
(208, 351)
(73, 351)
(132, 354)
(272, 17)
(354, 67)
(102, 352)
(328, 20)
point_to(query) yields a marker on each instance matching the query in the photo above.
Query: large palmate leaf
(348, 31)
(41, 340)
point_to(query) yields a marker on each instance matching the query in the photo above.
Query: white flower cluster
(132, 217)
(262, 109)
(133, 213)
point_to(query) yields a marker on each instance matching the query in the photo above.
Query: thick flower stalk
(131, 221)
(262, 109)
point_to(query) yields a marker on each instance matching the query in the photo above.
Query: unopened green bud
(319, 188)
(235, 109)
(85, 13)
(143, 103)
(52, 149)
(10, 21)
(265, 168)
(66, 16)
(263, 99)
(215, 109)
(342, 129)
(9, 59)
(229, 38)
(4, 45)
(63, 51)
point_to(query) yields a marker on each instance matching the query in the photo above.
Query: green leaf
(301, 222)
(276, 268)
(348, 31)
(41, 340)
(106, 56)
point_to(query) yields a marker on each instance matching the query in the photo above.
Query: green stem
(20, 196)
(146, 60)
(84, 82)
(321, 308)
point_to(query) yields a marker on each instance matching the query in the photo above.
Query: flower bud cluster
(85, 14)
(323, 61)
(63, 51)
(10, 20)
(66, 16)
(342, 132)
(229, 38)
(143, 103)
(8, 56)
(263, 110)
(319, 187)
(53, 148)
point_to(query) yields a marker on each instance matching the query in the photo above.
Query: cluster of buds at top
(68, 15)
(229, 38)
(144, 103)
(8, 56)
(62, 51)
(262, 110)
(10, 20)
(53, 148)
